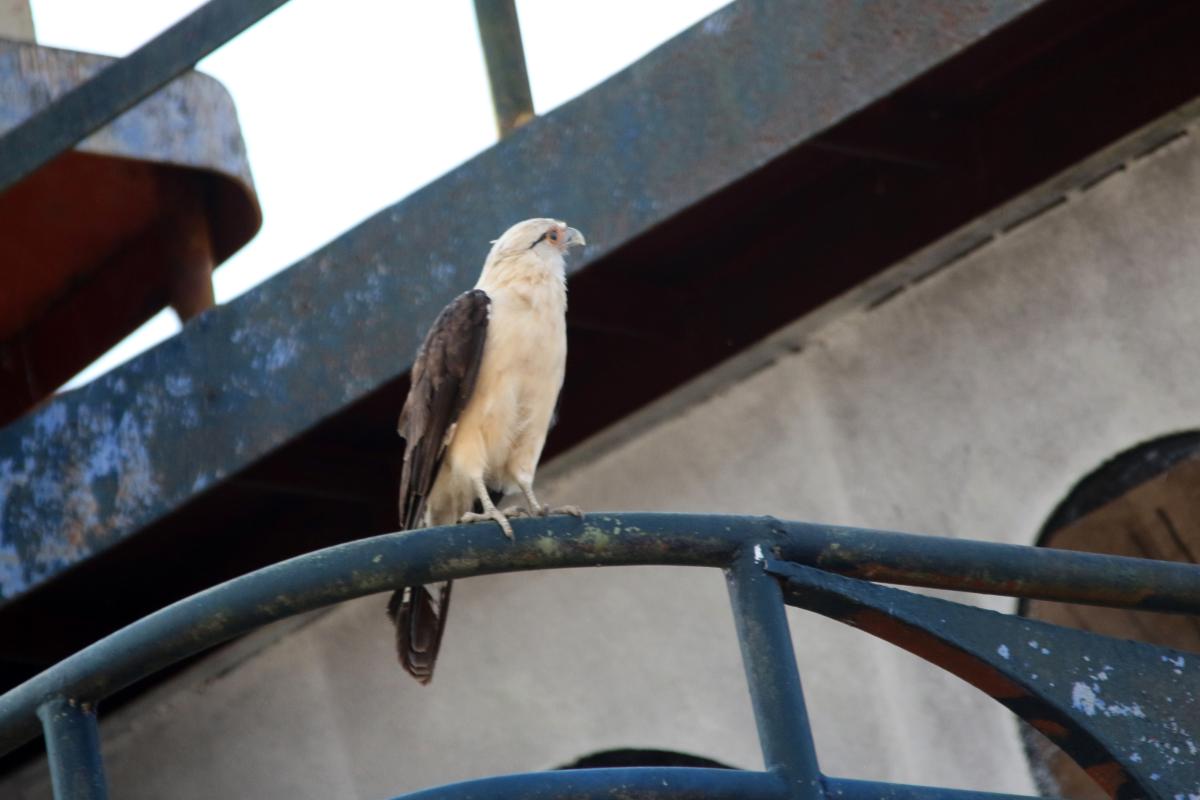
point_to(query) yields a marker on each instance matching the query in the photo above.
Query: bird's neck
(523, 273)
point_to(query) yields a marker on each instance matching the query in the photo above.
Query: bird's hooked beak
(573, 236)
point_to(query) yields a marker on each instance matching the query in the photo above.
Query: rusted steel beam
(749, 84)
(500, 35)
(188, 249)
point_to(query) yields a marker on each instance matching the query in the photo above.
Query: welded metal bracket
(1125, 711)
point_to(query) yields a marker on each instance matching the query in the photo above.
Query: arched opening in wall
(1144, 502)
(630, 757)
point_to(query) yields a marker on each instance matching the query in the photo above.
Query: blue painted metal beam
(748, 85)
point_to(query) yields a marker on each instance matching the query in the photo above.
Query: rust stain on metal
(856, 563)
(952, 659)
(1110, 777)
(1052, 730)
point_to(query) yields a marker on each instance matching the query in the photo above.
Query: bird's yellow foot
(493, 514)
(574, 511)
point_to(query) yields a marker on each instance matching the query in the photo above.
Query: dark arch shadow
(1114, 478)
(631, 757)
(1118, 475)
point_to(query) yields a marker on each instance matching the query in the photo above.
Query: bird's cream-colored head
(539, 242)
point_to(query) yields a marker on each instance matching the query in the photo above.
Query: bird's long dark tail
(419, 619)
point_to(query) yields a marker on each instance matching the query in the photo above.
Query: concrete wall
(965, 406)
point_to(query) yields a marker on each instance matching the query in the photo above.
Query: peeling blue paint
(178, 385)
(1140, 703)
(282, 353)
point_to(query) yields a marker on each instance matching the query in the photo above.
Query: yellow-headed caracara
(483, 390)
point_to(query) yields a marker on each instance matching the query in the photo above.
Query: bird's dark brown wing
(443, 378)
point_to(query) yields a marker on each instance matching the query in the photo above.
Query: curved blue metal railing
(768, 563)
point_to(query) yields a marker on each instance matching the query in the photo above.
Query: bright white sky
(347, 106)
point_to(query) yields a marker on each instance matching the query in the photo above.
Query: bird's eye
(554, 236)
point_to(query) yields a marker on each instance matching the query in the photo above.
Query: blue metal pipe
(385, 562)
(845, 789)
(625, 783)
(784, 733)
(73, 749)
(500, 35)
(665, 783)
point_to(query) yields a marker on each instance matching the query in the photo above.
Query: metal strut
(784, 732)
(73, 749)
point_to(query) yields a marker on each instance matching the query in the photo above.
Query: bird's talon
(515, 512)
(574, 511)
(495, 515)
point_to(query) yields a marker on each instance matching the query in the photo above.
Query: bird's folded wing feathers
(443, 378)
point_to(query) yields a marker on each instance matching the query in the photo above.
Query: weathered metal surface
(669, 783)
(784, 732)
(382, 563)
(190, 122)
(630, 783)
(847, 789)
(1125, 711)
(73, 749)
(1000, 569)
(108, 233)
(748, 84)
(121, 84)
(500, 35)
